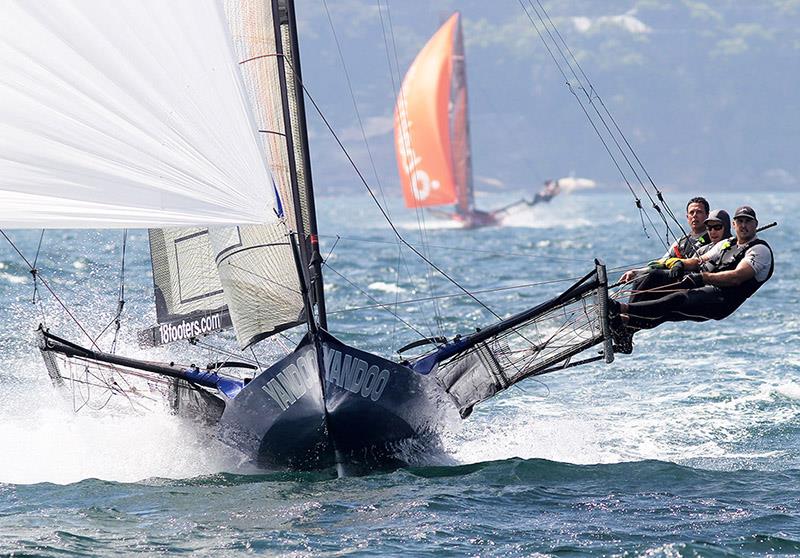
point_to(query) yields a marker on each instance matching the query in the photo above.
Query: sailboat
(432, 140)
(188, 118)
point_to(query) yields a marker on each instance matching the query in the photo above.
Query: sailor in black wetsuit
(718, 226)
(728, 275)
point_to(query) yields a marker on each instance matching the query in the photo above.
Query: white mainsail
(130, 113)
(256, 276)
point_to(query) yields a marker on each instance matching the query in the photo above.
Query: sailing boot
(621, 334)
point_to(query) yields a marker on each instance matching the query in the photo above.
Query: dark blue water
(688, 447)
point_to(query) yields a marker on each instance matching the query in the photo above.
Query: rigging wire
(121, 295)
(355, 104)
(36, 298)
(360, 121)
(396, 232)
(616, 126)
(34, 271)
(596, 96)
(397, 293)
(456, 295)
(399, 93)
(377, 302)
(52, 292)
(591, 95)
(120, 299)
(383, 212)
(400, 258)
(597, 131)
(465, 250)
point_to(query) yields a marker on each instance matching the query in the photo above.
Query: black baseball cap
(745, 211)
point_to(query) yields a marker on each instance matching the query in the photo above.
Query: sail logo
(186, 329)
(420, 181)
(354, 374)
(293, 381)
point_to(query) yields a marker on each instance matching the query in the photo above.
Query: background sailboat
(432, 138)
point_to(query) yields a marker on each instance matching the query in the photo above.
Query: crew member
(651, 287)
(686, 246)
(718, 226)
(731, 273)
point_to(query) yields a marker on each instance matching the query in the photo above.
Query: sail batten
(117, 116)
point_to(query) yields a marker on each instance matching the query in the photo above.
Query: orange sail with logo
(431, 129)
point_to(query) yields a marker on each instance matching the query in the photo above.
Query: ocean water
(688, 447)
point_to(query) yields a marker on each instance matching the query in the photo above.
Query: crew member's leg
(696, 305)
(652, 286)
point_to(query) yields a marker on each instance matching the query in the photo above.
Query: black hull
(373, 413)
(323, 405)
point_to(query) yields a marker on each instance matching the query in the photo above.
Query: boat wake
(543, 217)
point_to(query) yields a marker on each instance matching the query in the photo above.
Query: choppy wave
(690, 446)
(515, 506)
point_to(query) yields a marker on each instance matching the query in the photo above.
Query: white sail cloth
(129, 113)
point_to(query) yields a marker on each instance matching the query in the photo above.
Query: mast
(459, 122)
(294, 117)
(307, 247)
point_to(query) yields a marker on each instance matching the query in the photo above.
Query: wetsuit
(649, 286)
(687, 246)
(653, 285)
(708, 302)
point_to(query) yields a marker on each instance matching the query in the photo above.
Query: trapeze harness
(727, 260)
(704, 303)
(687, 247)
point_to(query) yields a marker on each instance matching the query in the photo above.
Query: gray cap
(719, 215)
(745, 211)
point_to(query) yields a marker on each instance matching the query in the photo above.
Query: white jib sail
(129, 113)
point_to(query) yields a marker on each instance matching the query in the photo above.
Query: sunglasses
(715, 227)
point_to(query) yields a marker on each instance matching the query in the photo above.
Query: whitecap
(386, 287)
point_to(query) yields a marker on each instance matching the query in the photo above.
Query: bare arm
(632, 274)
(731, 278)
(692, 263)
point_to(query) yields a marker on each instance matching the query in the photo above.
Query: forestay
(125, 114)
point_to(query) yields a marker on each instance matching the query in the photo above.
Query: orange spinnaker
(422, 123)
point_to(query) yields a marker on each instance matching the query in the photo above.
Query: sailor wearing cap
(718, 226)
(731, 273)
(665, 273)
